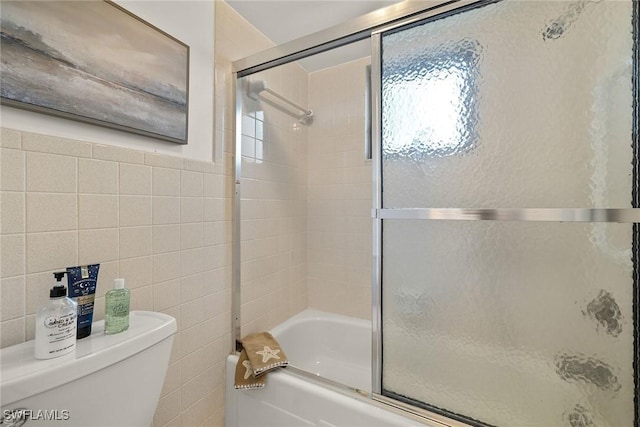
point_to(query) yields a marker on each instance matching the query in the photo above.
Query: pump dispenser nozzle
(58, 290)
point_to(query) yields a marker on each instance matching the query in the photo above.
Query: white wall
(191, 22)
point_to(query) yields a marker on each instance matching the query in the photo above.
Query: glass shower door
(508, 213)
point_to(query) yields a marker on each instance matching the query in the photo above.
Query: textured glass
(510, 323)
(513, 104)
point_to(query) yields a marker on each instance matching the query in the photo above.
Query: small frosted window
(440, 86)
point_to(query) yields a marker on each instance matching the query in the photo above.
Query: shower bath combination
(505, 247)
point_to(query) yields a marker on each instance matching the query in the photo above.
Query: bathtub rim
(406, 410)
(314, 314)
(417, 414)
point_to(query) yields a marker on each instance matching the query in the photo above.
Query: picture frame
(94, 62)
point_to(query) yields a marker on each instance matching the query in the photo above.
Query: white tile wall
(273, 208)
(339, 208)
(142, 217)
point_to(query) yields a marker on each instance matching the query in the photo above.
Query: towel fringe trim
(248, 386)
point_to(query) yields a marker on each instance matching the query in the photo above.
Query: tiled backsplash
(163, 223)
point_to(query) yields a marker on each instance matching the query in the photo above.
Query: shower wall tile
(172, 380)
(12, 332)
(55, 145)
(163, 161)
(212, 184)
(166, 294)
(192, 391)
(192, 342)
(166, 182)
(191, 235)
(192, 287)
(12, 300)
(12, 169)
(135, 241)
(36, 291)
(97, 211)
(192, 313)
(142, 299)
(166, 266)
(168, 408)
(191, 209)
(192, 260)
(339, 194)
(191, 184)
(166, 238)
(10, 138)
(137, 271)
(212, 209)
(97, 246)
(192, 363)
(67, 203)
(97, 176)
(135, 210)
(135, 179)
(166, 210)
(50, 251)
(198, 166)
(51, 173)
(109, 271)
(12, 212)
(117, 154)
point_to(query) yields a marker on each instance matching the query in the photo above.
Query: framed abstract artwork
(95, 62)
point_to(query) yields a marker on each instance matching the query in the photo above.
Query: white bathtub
(329, 345)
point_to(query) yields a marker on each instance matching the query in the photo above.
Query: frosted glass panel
(513, 104)
(510, 323)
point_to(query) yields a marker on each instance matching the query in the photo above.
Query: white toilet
(111, 380)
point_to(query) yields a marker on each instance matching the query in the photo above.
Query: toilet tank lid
(21, 375)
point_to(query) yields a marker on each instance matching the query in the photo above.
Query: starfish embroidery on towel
(249, 371)
(267, 354)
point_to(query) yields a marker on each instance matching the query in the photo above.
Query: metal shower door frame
(379, 213)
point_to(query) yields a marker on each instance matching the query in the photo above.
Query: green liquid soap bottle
(116, 314)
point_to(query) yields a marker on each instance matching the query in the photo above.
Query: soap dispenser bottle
(56, 323)
(116, 313)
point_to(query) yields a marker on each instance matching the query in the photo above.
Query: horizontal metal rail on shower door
(628, 215)
(343, 34)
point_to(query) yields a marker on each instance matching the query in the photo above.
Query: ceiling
(283, 21)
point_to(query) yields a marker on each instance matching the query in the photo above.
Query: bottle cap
(58, 291)
(118, 283)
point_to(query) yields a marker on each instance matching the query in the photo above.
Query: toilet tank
(111, 380)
